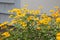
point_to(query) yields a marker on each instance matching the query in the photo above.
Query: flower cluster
(30, 25)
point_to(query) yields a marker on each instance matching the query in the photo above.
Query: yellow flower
(19, 11)
(43, 16)
(25, 10)
(0, 25)
(52, 11)
(57, 20)
(6, 34)
(31, 11)
(22, 15)
(30, 18)
(58, 36)
(4, 26)
(16, 10)
(23, 24)
(13, 21)
(46, 20)
(13, 10)
(49, 19)
(18, 14)
(36, 12)
(4, 23)
(56, 14)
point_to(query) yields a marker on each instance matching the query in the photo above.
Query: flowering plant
(29, 25)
